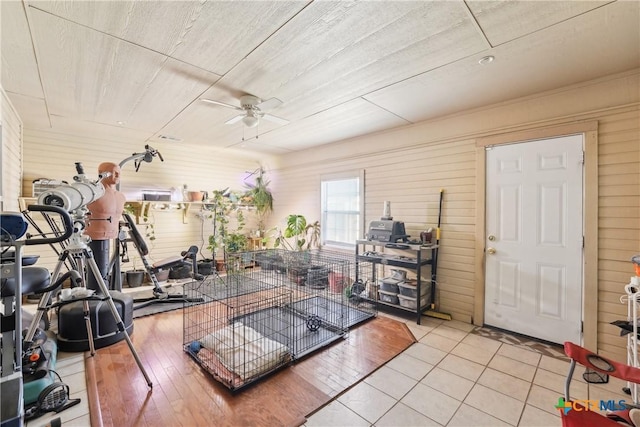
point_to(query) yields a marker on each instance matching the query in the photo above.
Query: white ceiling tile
(39, 118)
(88, 64)
(98, 78)
(334, 52)
(19, 66)
(502, 21)
(523, 67)
(72, 126)
(213, 35)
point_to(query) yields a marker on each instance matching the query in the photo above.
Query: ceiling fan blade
(235, 119)
(224, 104)
(269, 104)
(275, 119)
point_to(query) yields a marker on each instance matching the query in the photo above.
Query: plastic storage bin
(408, 302)
(389, 285)
(411, 290)
(388, 297)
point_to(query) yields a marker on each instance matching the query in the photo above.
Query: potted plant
(219, 207)
(135, 277)
(259, 196)
(235, 242)
(298, 235)
(224, 208)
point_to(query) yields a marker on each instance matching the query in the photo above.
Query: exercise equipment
(147, 156)
(27, 363)
(159, 295)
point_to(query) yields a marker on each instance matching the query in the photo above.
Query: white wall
(11, 153)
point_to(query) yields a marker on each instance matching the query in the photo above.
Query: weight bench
(160, 295)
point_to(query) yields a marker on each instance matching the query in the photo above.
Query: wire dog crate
(255, 320)
(230, 335)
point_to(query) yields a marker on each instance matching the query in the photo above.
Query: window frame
(337, 176)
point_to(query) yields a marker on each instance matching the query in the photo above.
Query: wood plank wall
(408, 166)
(11, 154)
(52, 156)
(411, 179)
(619, 222)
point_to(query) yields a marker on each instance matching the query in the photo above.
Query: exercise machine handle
(66, 219)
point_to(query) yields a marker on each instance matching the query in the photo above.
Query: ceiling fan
(253, 109)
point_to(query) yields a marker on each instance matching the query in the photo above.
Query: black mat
(157, 305)
(210, 289)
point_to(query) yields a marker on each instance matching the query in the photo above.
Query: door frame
(589, 130)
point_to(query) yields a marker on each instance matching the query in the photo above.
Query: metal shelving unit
(371, 263)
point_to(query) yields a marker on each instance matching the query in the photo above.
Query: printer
(387, 230)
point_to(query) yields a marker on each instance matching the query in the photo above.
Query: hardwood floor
(185, 395)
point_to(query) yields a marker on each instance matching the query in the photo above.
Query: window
(342, 208)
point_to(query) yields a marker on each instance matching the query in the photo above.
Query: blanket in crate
(244, 351)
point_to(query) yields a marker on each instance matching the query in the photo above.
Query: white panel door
(533, 282)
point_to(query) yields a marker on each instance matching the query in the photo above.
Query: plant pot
(268, 261)
(195, 196)
(337, 282)
(220, 265)
(298, 273)
(317, 277)
(205, 267)
(135, 278)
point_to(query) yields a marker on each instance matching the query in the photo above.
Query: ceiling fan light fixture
(250, 121)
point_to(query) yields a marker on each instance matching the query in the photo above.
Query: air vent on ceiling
(169, 138)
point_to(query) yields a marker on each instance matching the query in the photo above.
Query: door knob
(492, 237)
(491, 251)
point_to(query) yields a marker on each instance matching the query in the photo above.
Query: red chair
(577, 415)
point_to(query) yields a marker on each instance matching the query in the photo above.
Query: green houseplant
(298, 235)
(259, 196)
(224, 208)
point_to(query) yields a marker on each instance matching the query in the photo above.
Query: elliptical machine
(30, 385)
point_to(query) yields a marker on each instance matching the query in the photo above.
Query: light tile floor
(459, 375)
(455, 375)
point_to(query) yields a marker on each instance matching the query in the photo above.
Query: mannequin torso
(105, 213)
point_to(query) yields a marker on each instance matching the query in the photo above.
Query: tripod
(82, 257)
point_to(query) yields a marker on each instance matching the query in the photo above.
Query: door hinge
(582, 242)
(582, 158)
(581, 326)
